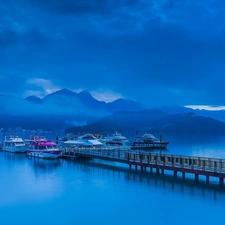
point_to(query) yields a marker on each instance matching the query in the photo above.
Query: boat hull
(44, 154)
(156, 145)
(114, 146)
(21, 149)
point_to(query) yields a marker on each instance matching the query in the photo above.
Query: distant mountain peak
(85, 93)
(64, 91)
(124, 105)
(32, 96)
(33, 99)
(88, 98)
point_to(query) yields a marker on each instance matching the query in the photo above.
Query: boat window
(88, 138)
(19, 143)
(119, 143)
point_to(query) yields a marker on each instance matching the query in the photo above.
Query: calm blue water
(37, 191)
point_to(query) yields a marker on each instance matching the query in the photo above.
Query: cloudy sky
(159, 52)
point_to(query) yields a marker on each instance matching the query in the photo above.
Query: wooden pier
(208, 167)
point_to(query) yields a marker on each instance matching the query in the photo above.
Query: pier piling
(196, 178)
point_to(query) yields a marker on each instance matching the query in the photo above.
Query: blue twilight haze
(156, 52)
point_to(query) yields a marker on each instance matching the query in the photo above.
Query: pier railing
(189, 162)
(145, 158)
(102, 153)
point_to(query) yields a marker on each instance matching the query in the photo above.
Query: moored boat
(42, 148)
(67, 137)
(117, 141)
(86, 140)
(148, 141)
(14, 144)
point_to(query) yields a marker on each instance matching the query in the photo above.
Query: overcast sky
(158, 52)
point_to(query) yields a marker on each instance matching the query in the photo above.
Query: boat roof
(13, 139)
(148, 135)
(87, 136)
(116, 136)
(73, 142)
(83, 143)
(43, 143)
(95, 142)
(36, 138)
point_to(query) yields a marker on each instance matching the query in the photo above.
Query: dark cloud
(7, 38)
(76, 7)
(11, 84)
(88, 6)
(34, 36)
(170, 50)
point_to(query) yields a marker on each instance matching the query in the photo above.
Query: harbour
(89, 147)
(109, 190)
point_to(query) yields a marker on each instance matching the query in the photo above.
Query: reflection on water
(13, 156)
(44, 165)
(48, 164)
(101, 192)
(46, 169)
(35, 162)
(210, 191)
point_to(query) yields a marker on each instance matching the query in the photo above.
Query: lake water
(55, 192)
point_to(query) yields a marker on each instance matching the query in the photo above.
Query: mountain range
(65, 109)
(83, 101)
(152, 121)
(58, 110)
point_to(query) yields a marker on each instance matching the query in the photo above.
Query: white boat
(67, 137)
(148, 141)
(87, 140)
(39, 147)
(147, 138)
(117, 141)
(14, 144)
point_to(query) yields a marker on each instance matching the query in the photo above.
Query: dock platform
(208, 167)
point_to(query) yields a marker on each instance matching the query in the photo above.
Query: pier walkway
(208, 167)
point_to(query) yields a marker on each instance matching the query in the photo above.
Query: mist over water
(39, 191)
